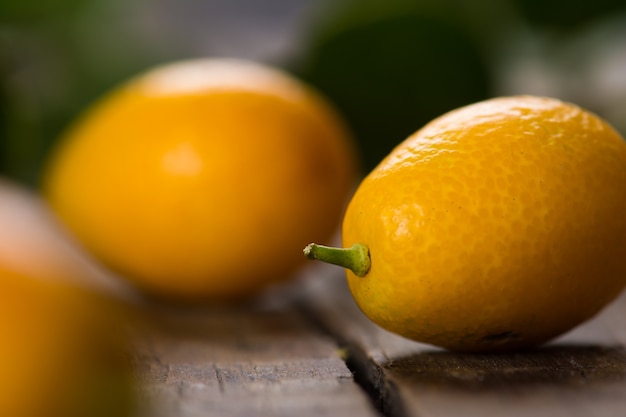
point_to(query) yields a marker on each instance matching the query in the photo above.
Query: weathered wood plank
(247, 361)
(582, 373)
(272, 360)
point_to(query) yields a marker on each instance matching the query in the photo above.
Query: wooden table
(306, 350)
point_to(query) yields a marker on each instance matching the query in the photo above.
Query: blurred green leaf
(566, 15)
(28, 10)
(390, 67)
(53, 64)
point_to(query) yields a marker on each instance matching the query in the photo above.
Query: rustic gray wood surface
(247, 361)
(308, 351)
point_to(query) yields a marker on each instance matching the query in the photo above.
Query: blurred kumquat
(175, 178)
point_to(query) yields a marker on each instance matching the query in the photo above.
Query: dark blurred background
(390, 66)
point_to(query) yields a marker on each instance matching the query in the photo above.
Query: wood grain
(242, 361)
(309, 351)
(582, 373)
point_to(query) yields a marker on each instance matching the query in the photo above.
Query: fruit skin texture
(175, 178)
(497, 226)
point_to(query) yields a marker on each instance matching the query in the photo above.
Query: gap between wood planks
(582, 371)
(370, 376)
(382, 393)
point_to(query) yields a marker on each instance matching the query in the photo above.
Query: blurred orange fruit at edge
(63, 351)
(63, 319)
(203, 179)
(499, 225)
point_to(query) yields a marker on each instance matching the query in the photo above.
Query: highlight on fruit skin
(497, 226)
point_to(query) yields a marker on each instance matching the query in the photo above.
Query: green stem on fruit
(355, 258)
